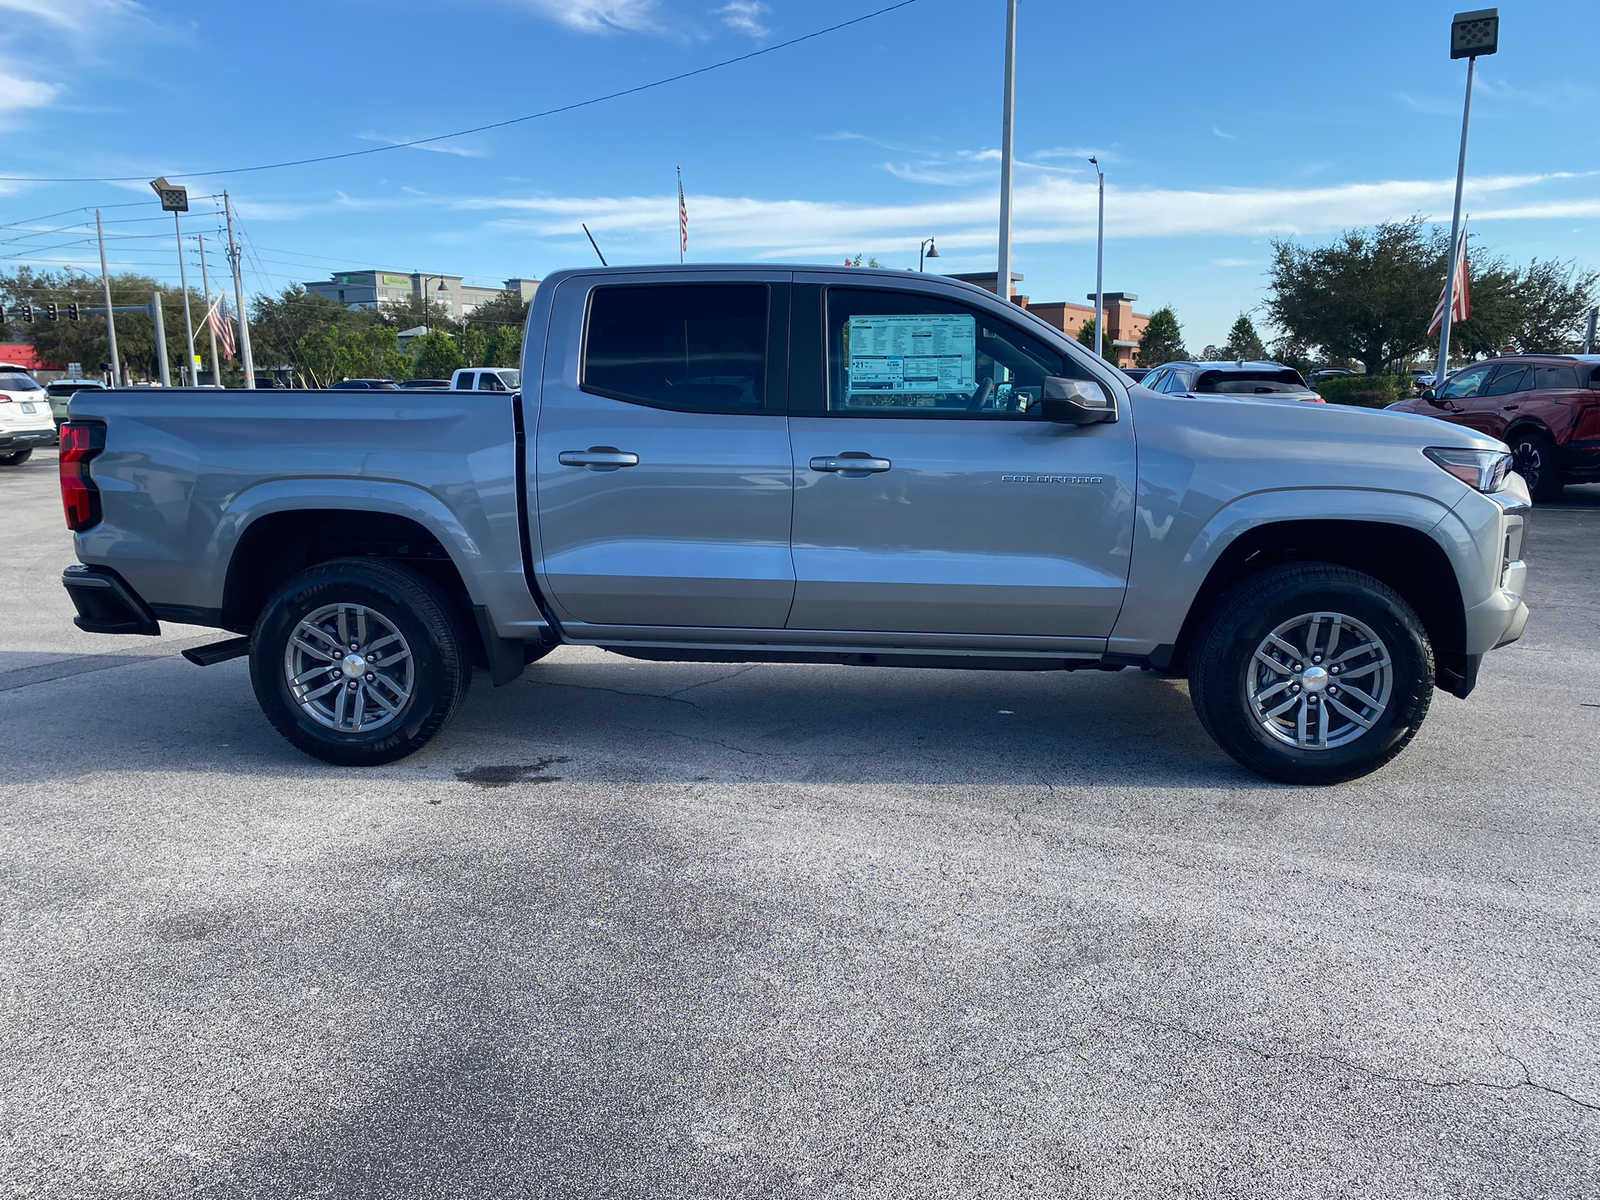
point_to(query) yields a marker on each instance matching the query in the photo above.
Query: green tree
(1292, 353)
(1163, 339)
(1243, 341)
(474, 344)
(508, 308)
(436, 355)
(1367, 295)
(1086, 334)
(504, 347)
(412, 312)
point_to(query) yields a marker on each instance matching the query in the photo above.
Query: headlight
(1482, 469)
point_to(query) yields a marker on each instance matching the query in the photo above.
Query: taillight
(80, 498)
(4, 399)
(1316, 399)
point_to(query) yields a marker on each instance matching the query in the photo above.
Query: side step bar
(209, 656)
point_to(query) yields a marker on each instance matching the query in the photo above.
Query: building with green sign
(375, 288)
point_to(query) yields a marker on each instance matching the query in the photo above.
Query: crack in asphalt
(709, 682)
(591, 687)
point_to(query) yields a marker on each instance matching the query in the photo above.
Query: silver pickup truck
(804, 465)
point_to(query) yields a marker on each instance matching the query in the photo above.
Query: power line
(440, 137)
(75, 208)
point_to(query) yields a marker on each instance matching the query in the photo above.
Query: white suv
(25, 420)
(486, 379)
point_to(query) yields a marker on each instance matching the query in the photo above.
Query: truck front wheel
(358, 662)
(1312, 673)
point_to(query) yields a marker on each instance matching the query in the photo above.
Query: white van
(486, 379)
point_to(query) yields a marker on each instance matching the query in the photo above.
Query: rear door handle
(598, 458)
(851, 462)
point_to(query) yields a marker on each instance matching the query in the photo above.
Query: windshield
(512, 379)
(1249, 383)
(16, 381)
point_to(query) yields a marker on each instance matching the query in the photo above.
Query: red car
(1546, 407)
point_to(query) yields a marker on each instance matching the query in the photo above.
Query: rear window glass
(692, 347)
(1249, 383)
(18, 383)
(1555, 377)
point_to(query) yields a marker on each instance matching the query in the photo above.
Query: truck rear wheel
(358, 662)
(1312, 673)
(16, 457)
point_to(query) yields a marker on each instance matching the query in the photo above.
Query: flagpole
(211, 328)
(681, 238)
(1455, 227)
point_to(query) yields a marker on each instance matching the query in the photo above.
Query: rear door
(931, 496)
(662, 477)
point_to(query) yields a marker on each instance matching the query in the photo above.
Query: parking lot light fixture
(926, 250)
(1471, 34)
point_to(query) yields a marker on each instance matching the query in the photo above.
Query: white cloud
(1232, 137)
(938, 174)
(1079, 153)
(453, 148)
(600, 16)
(75, 16)
(1234, 262)
(1429, 105)
(746, 17)
(17, 94)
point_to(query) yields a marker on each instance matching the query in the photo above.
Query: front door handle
(598, 458)
(851, 462)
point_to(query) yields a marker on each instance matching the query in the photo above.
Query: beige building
(374, 288)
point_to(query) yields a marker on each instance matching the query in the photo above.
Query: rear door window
(695, 347)
(1508, 380)
(16, 382)
(1249, 383)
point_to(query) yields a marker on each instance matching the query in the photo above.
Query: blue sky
(1218, 129)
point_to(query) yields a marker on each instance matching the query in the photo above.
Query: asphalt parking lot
(632, 929)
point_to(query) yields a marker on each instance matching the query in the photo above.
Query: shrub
(1363, 391)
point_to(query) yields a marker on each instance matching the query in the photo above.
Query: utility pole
(111, 319)
(1100, 261)
(247, 358)
(211, 326)
(161, 339)
(1003, 277)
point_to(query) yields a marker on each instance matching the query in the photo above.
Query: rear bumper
(105, 602)
(26, 439)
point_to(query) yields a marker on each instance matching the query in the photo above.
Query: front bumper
(105, 602)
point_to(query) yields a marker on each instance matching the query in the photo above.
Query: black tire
(1222, 660)
(441, 666)
(16, 457)
(1533, 456)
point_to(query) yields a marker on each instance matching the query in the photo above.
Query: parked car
(425, 383)
(1256, 380)
(803, 464)
(486, 379)
(60, 391)
(1136, 374)
(1546, 407)
(1328, 373)
(364, 385)
(24, 417)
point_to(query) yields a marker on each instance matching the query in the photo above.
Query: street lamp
(426, 279)
(1100, 261)
(1471, 34)
(925, 250)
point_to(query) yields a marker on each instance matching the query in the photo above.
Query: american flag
(222, 325)
(683, 218)
(1460, 301)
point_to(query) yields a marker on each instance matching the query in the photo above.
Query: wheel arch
(1407, 558)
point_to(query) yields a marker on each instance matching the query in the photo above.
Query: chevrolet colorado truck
(804, 465)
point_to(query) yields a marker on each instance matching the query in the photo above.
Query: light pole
(1002, 280)
(175, 200)
(426, 279)
(925, 250)
(1471, 34)
(1100, 261)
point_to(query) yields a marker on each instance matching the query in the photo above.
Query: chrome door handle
(851, 462)
(598, 458)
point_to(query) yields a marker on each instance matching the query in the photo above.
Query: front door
(930, 494)
(662, 480)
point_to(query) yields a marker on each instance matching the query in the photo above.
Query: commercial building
(1124, 327)
(374, 288)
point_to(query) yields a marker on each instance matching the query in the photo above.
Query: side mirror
(1428, 394)
(1076, 402)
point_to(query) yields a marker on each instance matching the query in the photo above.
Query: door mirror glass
(1429, 395)
(1076, 402)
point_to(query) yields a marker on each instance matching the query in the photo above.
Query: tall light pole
(1100, 261)
(111, 317)
(175, 199)
(1471, 34)
(926, 250)
(1008, 104)
(427, 279)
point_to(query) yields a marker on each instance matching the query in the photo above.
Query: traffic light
(72, 311)
(50, 310)
(27, 313)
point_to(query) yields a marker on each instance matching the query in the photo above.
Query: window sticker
(912, 354)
